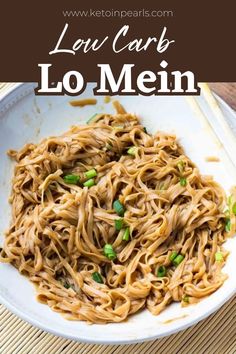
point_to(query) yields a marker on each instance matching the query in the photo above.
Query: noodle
(59, 230)
(83, 102)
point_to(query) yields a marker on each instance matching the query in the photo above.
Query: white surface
(26, 118)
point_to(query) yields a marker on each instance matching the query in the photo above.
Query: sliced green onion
(145, 130)
(234, 208)
(71, 179)
(180, 166)
(132, 150)
(227, 225)
(126, 234)
(185, 298)
(91, 119)
(119, 224)
(107, 147)
(97, 277)
(91, 173)
(183, 181)
(219, 257)
(162, 186)
(161, 271)
(178, 260)
(173, 255)
(119, 208)
(89, 183)
(109, 252)
(66, 285)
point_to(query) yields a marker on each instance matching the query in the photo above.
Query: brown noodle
(58, 230)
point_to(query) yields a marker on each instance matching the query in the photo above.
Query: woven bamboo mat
(215, 335)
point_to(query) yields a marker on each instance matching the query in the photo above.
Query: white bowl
(25, 118)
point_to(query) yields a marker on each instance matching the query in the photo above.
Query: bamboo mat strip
(5, 85)
(215, 335)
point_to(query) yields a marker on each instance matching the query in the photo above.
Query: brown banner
(203, 34)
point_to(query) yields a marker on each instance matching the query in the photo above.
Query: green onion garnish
(91, 119)
(126, 234)
(119, 208)
(71, 179)
(180, 166)
(89, 183)
(119, 224)
(219, 257)
(183, 181)
(97, 277)
(109, 252)
(91, 173)
(173, 255)
(107, 147)
(185, 298)
(161, 271)
(67, 285)
(132, 150)
(145, 130)
(234, 208)
(227, 225)
(178, 260)
(161, 186)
